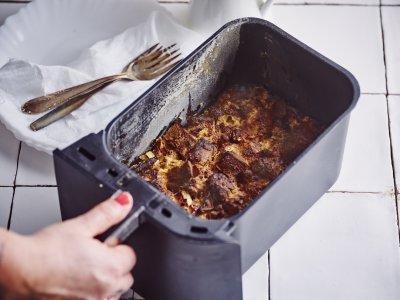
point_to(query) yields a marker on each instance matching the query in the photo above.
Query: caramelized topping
(218, 189)
(178, 177)
(179, 139)
(217, 164)
(232, 164)
(203, 152)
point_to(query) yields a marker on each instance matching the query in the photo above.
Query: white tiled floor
(391, 2)
(6, 194)
(345, 247)
(349, 35)
(34, 208)
(35, 168)
(355, 2)
(255, 280)
(366, 162)
(394, 113)
(391, 27)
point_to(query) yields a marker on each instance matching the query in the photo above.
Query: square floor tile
(391, 29)
(35, 167)
(356, 2)
(34, 208)
(349, 35)
(6, 194)
(345, 247)
(394, 113)
(367, 163)
(390, 2)
(9, 147)
(255, 280)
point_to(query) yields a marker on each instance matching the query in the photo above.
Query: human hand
(65, 260)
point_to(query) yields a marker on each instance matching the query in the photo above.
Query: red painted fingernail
(122, 199)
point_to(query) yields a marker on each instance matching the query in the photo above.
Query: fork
(63, 110)
(150, 64)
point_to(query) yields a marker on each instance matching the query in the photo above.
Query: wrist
(5, 237)
(11, 273)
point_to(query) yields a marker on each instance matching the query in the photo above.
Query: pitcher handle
(265, 7)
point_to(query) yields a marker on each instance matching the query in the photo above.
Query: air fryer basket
(180, 256)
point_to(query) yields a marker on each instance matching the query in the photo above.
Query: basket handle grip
(126, 228)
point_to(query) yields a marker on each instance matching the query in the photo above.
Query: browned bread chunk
(232, 164)
(224, 157)
(179, 139)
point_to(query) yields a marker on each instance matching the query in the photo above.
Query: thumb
(106, 214)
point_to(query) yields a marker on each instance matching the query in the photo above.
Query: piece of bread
(223, 158)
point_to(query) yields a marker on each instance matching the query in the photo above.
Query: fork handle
(59, 112)
(53, 100)
(64, 109)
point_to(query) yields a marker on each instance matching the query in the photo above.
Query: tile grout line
(389, 122)
(334, 4)
(37, 185)
(373, 93)
(269, 274)
(14, 187)
(324, 4)
(357, 192)
(396, 194)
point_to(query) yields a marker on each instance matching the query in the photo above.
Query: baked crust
(224, 157)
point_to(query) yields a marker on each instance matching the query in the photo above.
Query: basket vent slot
(154, 204)
(125, 180)
(166, 212)
(112, 172)
(199, 229)
(86, 154)
(229, 227)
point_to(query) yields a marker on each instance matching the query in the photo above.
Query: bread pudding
(221, 159)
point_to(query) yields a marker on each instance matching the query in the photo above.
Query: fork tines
(158, 59)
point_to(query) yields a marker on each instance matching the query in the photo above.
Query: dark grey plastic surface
(182, 257)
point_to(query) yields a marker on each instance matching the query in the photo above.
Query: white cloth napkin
(22, 80)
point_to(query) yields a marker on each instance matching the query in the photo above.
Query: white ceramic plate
(54, 32)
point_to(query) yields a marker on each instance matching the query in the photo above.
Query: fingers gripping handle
(126, 228)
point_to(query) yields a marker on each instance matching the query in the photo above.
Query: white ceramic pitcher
(207, 16)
